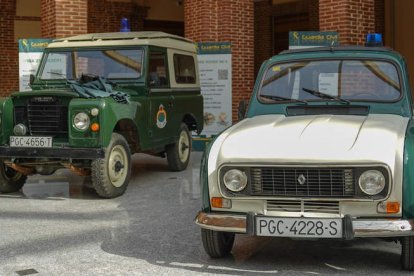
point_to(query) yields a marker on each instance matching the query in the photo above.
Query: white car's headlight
(81, 121)
(235, 180)
(372, 182)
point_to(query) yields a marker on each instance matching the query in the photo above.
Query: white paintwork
(313, 140)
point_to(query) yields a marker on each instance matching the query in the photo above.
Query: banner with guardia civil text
(30, 54)
(214, 62)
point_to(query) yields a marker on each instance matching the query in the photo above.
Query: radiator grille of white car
(302, 182)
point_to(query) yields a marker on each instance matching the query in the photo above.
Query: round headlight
(81, 121)
(235, 180)
(372, 182)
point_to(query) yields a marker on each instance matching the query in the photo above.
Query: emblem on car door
(161, 117)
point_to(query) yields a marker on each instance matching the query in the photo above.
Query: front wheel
(10, 180)
(217, 244)
(110, 175)
(407, 253)
(178, 154)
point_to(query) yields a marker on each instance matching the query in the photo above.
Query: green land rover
(97, 99)
(326, 151)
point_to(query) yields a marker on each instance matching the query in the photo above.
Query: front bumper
(64, 153)
(353, 228)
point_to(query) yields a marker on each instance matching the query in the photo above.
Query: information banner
(30, 54)
(300, 40)
(214, 61)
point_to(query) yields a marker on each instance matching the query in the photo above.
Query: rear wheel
(217, 244)
(178, 154)
(407, 253)
(10, 180)
(110, 175)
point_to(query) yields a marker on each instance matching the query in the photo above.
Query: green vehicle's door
(161, 99)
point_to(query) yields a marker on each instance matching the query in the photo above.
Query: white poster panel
(30, 55)
(214, 62)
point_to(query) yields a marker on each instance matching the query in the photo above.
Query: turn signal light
(95, 127)
(219, 202)
(389, 207)
(393, 207)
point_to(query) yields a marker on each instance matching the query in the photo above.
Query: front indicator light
(389, 207)
(219, 202)
(95, 127)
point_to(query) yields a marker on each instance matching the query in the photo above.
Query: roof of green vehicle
(340, 51)
(160, 39)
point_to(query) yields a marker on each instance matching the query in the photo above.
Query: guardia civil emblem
(161, 117)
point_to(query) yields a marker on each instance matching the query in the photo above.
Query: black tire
(407, 253)
(10, 180)
(178, 154)
(110, 175)
(217, 244)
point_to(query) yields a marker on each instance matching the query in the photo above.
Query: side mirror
(241, 111)
(31, 79)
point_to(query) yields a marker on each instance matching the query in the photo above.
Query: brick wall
(61, 18)
(226, 20)
(263, 30)
(9, 67)
(353, 19)
(380, 16)
(105, 16)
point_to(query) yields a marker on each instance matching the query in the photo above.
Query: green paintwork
(402, 107)
(408, 182)
(140, 112)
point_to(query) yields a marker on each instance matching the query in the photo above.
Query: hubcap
(183, 147)
(118, 166)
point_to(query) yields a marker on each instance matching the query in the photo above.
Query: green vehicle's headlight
(372, 182)
(235, 180)
(81, 121)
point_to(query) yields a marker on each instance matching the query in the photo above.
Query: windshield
(111, 64)
(322, 80)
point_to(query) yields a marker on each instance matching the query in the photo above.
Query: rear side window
(184, 68)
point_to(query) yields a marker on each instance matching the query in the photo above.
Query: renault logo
(301, 179)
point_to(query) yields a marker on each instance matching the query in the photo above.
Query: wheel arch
(128, 129)
(190, 120)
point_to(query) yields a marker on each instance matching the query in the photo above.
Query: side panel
(408, 182)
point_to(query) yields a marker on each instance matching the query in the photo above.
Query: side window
(184, 69)
(157, 72)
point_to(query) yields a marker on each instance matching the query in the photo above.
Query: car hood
(318, 139)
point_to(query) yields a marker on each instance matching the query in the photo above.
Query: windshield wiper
(324, 96)
(279, 98)
(57, 74)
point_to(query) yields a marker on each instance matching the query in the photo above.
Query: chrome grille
(303, 182)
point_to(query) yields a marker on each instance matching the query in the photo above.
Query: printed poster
(214, 61)
(30, 54)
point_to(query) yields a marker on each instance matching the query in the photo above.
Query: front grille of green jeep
(44, 116)
(303, 182)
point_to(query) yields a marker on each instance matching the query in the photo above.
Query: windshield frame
(321, 100)
(97, 48)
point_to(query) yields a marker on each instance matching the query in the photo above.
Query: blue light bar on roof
(374, 40)
(125, 25)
